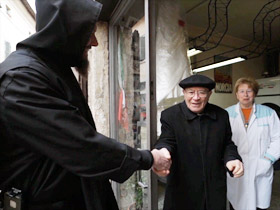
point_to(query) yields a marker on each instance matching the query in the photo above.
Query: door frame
(151, 108)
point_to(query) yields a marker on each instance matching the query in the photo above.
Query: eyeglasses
(248, 92)
(200, 93)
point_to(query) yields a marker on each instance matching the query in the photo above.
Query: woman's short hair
(252, 83)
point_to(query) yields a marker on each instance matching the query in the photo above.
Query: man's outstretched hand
(162, 161)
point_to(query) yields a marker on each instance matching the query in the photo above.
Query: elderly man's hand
(236, 166)
(162, 161)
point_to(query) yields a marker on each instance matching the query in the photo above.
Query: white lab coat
(262, 138)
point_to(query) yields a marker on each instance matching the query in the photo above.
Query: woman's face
(245, 96)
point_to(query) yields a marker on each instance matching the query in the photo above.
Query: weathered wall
(98, 81)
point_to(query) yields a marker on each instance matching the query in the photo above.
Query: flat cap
(197, 80)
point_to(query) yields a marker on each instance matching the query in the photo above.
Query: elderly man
(49, 146)
(198, 136)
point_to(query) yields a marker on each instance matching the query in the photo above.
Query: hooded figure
(49, 146)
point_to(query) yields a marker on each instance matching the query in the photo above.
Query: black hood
(63, 28)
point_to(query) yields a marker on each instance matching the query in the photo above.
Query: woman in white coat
(256, 133)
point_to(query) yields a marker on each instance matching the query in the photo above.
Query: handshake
(162, 161)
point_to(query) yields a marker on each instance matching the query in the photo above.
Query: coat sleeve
(167, 138)
(231, 152)
(39, 118)
(273, 150)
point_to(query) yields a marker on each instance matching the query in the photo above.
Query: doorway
(130, 95)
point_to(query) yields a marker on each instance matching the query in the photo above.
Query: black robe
(49, 146)
(200, 146)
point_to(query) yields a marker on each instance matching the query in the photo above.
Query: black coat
(200, 146)
(49, 146)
